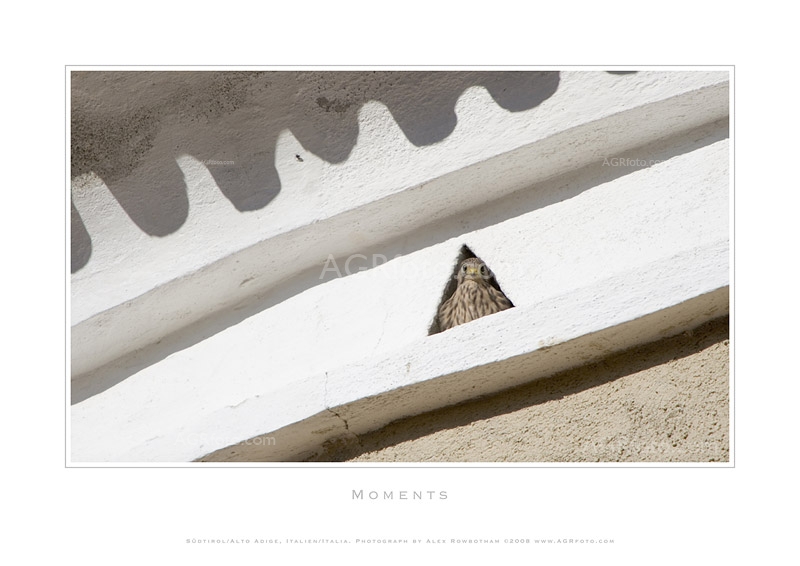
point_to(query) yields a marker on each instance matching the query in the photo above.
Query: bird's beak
(474, 271)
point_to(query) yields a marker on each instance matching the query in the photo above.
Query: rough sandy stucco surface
(663, 402)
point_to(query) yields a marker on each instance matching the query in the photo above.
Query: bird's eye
(464, 269)
(483, 270)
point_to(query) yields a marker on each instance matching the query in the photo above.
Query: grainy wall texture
(258, 259)
(666, 401)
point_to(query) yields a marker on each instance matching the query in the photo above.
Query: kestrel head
(473, 269)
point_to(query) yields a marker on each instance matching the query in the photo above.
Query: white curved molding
(143, 289)
(595, 260)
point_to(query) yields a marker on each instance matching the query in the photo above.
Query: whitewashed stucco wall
(603, 209)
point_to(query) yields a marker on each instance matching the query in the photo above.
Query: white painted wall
(223, 331)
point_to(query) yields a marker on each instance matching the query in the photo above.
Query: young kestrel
(474, 297)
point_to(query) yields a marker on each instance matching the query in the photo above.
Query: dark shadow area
(80, 241)
(423, 103)
(559, 386)
(129, 127)
(517, 91)
(250, 185)
(521, 202)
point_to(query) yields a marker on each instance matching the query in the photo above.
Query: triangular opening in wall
(452, 283)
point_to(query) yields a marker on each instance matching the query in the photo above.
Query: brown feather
(474, 296)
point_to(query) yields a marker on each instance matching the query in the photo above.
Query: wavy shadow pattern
(129, 126)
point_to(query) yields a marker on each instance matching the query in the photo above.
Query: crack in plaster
(337, 415)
